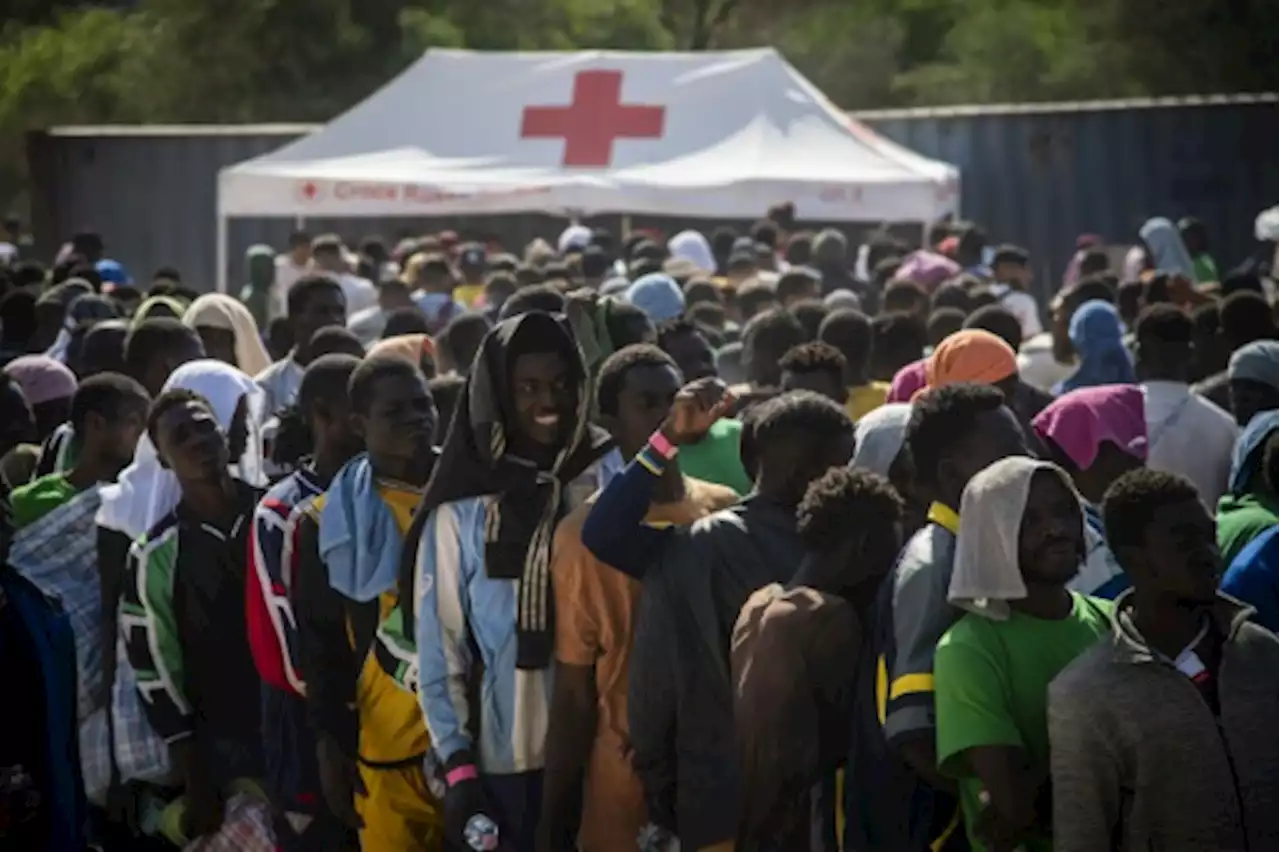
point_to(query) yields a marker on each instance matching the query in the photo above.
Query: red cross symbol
(593, 119)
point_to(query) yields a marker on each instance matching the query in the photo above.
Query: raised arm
(615, 531)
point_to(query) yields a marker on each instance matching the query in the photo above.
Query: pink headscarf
(907, 381)
(928, 269)
(42, 378)
(1079, 421)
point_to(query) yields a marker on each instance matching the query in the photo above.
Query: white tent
(717, 134)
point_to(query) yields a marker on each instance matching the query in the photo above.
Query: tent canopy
(718, 134)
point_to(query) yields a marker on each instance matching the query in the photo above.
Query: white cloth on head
(146, 491)
(986, 574)
(879, 436)
(693, 246)
(218, 310)
(574, 237)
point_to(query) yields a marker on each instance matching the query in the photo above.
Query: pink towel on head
(42, 378)
(907, 381)
(928, 269)
(1078, 422)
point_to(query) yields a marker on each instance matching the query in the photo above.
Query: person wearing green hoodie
(260, 261)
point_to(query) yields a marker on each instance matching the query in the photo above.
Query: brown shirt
(595, 626)
(794, 652)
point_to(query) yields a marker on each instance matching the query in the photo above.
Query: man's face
(191, 443)
(219, 343)
(542, 386)
(117, 436)
(1181, 556)
(325, 307)
(300, 253)
(1013, 273)
(822, 382)
(333, 421)
(329, 260)
(643, 402)
(692, 355)
(995, 435)
(160, 368)
(1051, 537)
(1248, 398)
(401, 418)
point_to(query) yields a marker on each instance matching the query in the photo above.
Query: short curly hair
(1132, 501)
(613, 373)
(813, 357)
(842, 500)
(943, 417)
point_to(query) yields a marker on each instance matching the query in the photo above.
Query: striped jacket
(183, 623)
(273, 557)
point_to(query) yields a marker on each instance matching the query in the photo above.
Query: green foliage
(307, 60)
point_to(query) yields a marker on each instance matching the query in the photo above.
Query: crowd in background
(755, 541)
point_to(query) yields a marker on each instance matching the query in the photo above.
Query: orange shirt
(595, 626)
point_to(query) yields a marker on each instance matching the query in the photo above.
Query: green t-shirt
(716, 457)
(1241, 519)
(990, 689)
(38, 498)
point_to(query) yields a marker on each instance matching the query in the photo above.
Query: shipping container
(1036, 175)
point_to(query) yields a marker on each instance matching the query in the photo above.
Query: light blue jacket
(461, 612)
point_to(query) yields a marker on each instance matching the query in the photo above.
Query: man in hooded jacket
(516, 461)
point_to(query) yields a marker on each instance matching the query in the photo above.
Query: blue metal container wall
(1039, 177)
(1034, 175)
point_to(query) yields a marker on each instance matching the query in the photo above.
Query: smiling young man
(587, 771)
(481, 616)
(370, 738)
(1021, 541)
(182, 611)
(1164, 734)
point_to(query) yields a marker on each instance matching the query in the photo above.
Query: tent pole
(220, 277)
(625, 226)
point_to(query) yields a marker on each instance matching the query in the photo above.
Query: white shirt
(1021, 305)
(1037, 366)
(360, 292)
(287, 274)
(1190, 436)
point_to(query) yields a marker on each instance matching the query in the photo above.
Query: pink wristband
(456, 776)
(665, 448)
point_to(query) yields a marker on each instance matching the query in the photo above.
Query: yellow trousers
(399, 813)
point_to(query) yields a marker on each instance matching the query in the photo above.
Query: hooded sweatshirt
(1140, 761)
(476, 636)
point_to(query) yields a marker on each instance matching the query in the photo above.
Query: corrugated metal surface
(1033, 174)
(1040, 174)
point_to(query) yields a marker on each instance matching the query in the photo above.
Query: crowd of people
(755, 542)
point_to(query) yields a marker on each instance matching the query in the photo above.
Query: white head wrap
(146, 491)
(987, 575)
(218, 310)
(693, 246)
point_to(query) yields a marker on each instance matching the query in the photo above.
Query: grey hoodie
(1139, 761)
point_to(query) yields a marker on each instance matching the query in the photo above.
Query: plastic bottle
(481, 833)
